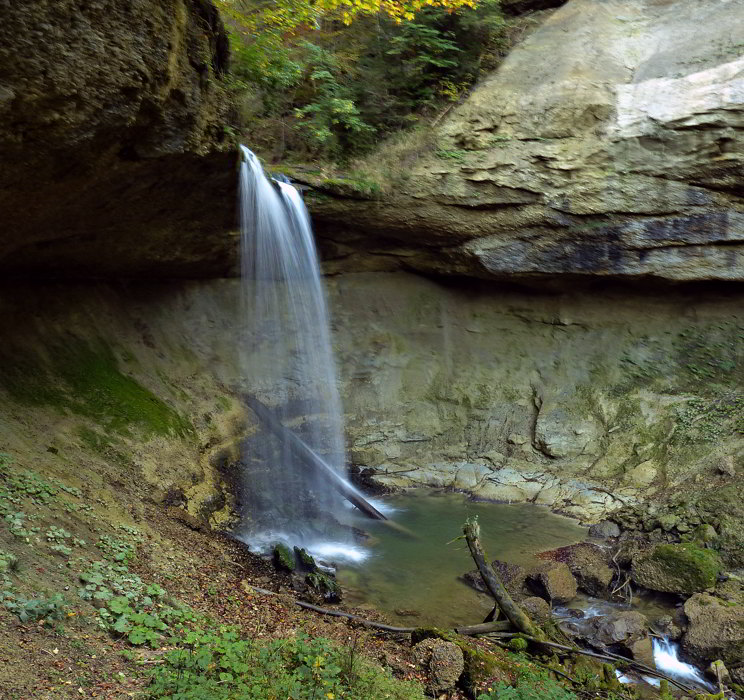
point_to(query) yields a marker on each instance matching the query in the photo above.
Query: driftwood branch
(485, 628)
(339, 613)
(511, 610)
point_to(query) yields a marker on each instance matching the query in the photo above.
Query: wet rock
(537, 608)
(718, 671)
(604, 530)
(589, 564)
(677, 568)
(304, 559)
(442, 662)
(512, 576)
(667, 627)
(625, 628)
(642, 650)
(554, 582)
(716, 629)
(284, 558)
(325, 586)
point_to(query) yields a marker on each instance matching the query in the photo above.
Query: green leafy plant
(117, 550)
(531, 685)
(30, 609)
(217, 664)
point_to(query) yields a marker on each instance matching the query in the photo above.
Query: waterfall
(289, 366)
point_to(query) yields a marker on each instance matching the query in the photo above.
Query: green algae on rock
(677, 568)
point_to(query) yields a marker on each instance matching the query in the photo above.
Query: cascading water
(290, 364)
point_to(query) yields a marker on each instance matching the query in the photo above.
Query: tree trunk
(511, 610)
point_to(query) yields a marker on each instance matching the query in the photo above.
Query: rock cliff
(112, 138)
(608, 145)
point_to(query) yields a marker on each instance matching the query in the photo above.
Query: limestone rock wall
(607, 145)
(580, 403)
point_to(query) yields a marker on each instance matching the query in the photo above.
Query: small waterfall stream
(290, 363)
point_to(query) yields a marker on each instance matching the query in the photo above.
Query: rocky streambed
(639, 596)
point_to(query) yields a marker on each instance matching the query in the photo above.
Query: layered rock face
(608, 145)
(584, 403)
(581, 404)
(111, 138)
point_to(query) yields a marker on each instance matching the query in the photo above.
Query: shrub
(531, 685)
(219, 665)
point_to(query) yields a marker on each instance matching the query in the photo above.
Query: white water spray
(666, 658)
(289, 361)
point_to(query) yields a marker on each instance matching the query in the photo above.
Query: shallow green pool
(421, 575)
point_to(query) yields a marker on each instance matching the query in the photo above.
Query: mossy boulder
(442, 661)
(677, 568)
(715, 631)
(479, 665)
(304, 559)
(284, 558)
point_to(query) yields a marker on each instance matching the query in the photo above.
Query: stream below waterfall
(403, 575)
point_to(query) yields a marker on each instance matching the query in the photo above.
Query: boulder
(442, 662)
(625, 628)
(589, 564)
(715, 631)
(554, 582)
(667, 627)
(677, 568)
(537, 608)
(512, 576)
(604, 530)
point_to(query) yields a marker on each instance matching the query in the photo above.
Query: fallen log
(312, 458)
(485, 628)
(511, 610)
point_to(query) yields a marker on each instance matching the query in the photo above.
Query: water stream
(404, 575)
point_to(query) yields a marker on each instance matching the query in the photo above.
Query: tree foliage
(311, 85)
(288, 15)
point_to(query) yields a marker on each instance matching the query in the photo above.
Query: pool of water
(404, 575)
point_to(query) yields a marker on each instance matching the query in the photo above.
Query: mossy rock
(479, 665)
(677, 568)
(284, 558)
(305, 560)
(325, 585)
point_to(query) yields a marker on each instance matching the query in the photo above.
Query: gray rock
(604, 529)
(442, 662)
(666, 626)
(554, 582)
(715, 631)
(538, 609)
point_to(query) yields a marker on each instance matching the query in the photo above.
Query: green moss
(305, 559)
(479, 665)
(284, 558)
(324, 585)
(85, 379)
(683, 568)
